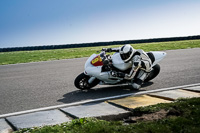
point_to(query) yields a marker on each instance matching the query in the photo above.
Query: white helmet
(127, 52)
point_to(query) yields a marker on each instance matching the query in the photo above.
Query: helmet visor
(125, 56)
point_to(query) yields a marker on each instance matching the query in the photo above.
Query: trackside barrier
(64, 46)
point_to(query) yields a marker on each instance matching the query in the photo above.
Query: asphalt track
(35, 85)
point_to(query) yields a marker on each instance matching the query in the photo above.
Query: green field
(183, 118)
(57, 54)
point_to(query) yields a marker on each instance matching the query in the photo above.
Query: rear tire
(81, 82)
(153, 73)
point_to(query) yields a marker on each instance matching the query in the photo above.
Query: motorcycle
(98, 68)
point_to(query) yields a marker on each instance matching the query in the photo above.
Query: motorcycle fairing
(96, 71)
(158, 56)
(97, 61)
(119, 63)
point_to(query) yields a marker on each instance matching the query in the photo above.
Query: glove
(107, 49)
(104, 49)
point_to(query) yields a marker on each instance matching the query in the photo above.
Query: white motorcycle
(98, 70)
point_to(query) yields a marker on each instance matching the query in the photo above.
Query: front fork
(91, 79)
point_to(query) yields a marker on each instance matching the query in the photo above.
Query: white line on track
(95, 100)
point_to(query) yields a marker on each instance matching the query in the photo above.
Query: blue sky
(53, 22)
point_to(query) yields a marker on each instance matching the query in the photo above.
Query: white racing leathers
(141, 61)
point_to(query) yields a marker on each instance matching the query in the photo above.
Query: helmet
(127, 52)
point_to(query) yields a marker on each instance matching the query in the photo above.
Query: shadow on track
(100, 92)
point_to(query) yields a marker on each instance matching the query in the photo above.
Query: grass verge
(57, 54)
(186, 121)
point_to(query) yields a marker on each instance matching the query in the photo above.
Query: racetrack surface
(35, 85)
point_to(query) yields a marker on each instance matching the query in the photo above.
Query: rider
(140, 61)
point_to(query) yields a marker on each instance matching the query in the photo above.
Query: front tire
(153, 73)
(81, 82)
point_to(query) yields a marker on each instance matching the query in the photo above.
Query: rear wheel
(153, 73)
(81, 82)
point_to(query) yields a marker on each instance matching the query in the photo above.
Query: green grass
(46, 55)
(187, 122)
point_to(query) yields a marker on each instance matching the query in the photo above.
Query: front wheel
(153, 73)
(81, 82)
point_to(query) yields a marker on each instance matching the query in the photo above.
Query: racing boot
(139, 80)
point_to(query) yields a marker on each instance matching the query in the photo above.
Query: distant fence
(47, 47)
